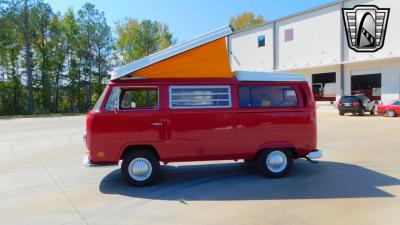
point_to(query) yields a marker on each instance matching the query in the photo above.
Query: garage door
(324, 86)
(368, 84)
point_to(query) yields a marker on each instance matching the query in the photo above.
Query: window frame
(229, 93)
(294, 88)
(258, 41)
(292, 35)
(134, 109)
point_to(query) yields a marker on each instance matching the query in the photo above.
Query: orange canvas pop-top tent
(203, 57)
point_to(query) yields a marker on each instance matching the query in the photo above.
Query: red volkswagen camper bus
(266, 118)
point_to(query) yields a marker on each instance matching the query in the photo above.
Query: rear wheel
(390, 113)
(275, 163)
(140, 168)
(341, 113)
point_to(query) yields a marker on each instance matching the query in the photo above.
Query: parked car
(142, 122)
(355, 104)
(391, 110)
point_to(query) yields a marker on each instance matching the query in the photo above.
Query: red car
(391, 110)
(268, 121)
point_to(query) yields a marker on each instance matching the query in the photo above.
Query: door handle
(156, 123)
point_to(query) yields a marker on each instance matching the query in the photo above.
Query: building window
(199, 97)
(267, 96)
(289, 35)
(261, 41)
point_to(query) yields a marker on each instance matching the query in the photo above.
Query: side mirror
(114, 108)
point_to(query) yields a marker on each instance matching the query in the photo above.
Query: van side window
(199, 97)
(139, 98)
(267, 96)
(113, 99)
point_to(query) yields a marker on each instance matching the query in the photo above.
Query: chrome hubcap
(390, 113)
(140, 169)
(276, 161)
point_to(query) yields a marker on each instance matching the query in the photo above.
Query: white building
(314, 43)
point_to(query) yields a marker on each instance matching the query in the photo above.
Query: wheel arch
(291, 149)
(137, 147)
(390, 109)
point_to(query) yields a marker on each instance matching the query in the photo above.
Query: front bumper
(315, 154)
(87, 163)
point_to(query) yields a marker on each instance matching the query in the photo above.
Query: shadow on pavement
(238, 181)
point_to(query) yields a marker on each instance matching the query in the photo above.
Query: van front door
(132, 116)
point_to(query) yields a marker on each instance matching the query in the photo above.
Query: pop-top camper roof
(203, 57)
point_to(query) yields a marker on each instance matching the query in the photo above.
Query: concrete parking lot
(42, 181)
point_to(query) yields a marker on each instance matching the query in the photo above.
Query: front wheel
(390, 113)
(140, 168)
(275, 163)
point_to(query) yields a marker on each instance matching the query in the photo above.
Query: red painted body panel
(381, 109)
(202, 134)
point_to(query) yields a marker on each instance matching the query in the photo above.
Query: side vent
(303, 95)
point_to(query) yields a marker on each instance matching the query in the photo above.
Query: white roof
(267, 76)
(171, 51)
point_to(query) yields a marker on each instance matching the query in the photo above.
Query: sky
(189, 18)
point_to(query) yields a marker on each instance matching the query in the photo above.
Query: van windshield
(98, 103)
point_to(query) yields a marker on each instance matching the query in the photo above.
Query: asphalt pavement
(43, 181)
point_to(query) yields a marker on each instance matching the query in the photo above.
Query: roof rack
(267, 76)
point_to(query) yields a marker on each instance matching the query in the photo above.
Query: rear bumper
(88, 163)
(315, 154)
(351, 110)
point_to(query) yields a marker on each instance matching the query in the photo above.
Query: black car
(356, 104)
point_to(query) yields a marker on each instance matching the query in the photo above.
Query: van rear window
(267, 96)
(200, 97)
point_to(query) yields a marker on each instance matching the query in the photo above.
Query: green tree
(138, 39)
(246, 19)
(96, 44)
(42, 15)
(51, 62)
(71, 31)
(24, 22)
(10, 50)
(57, 55)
